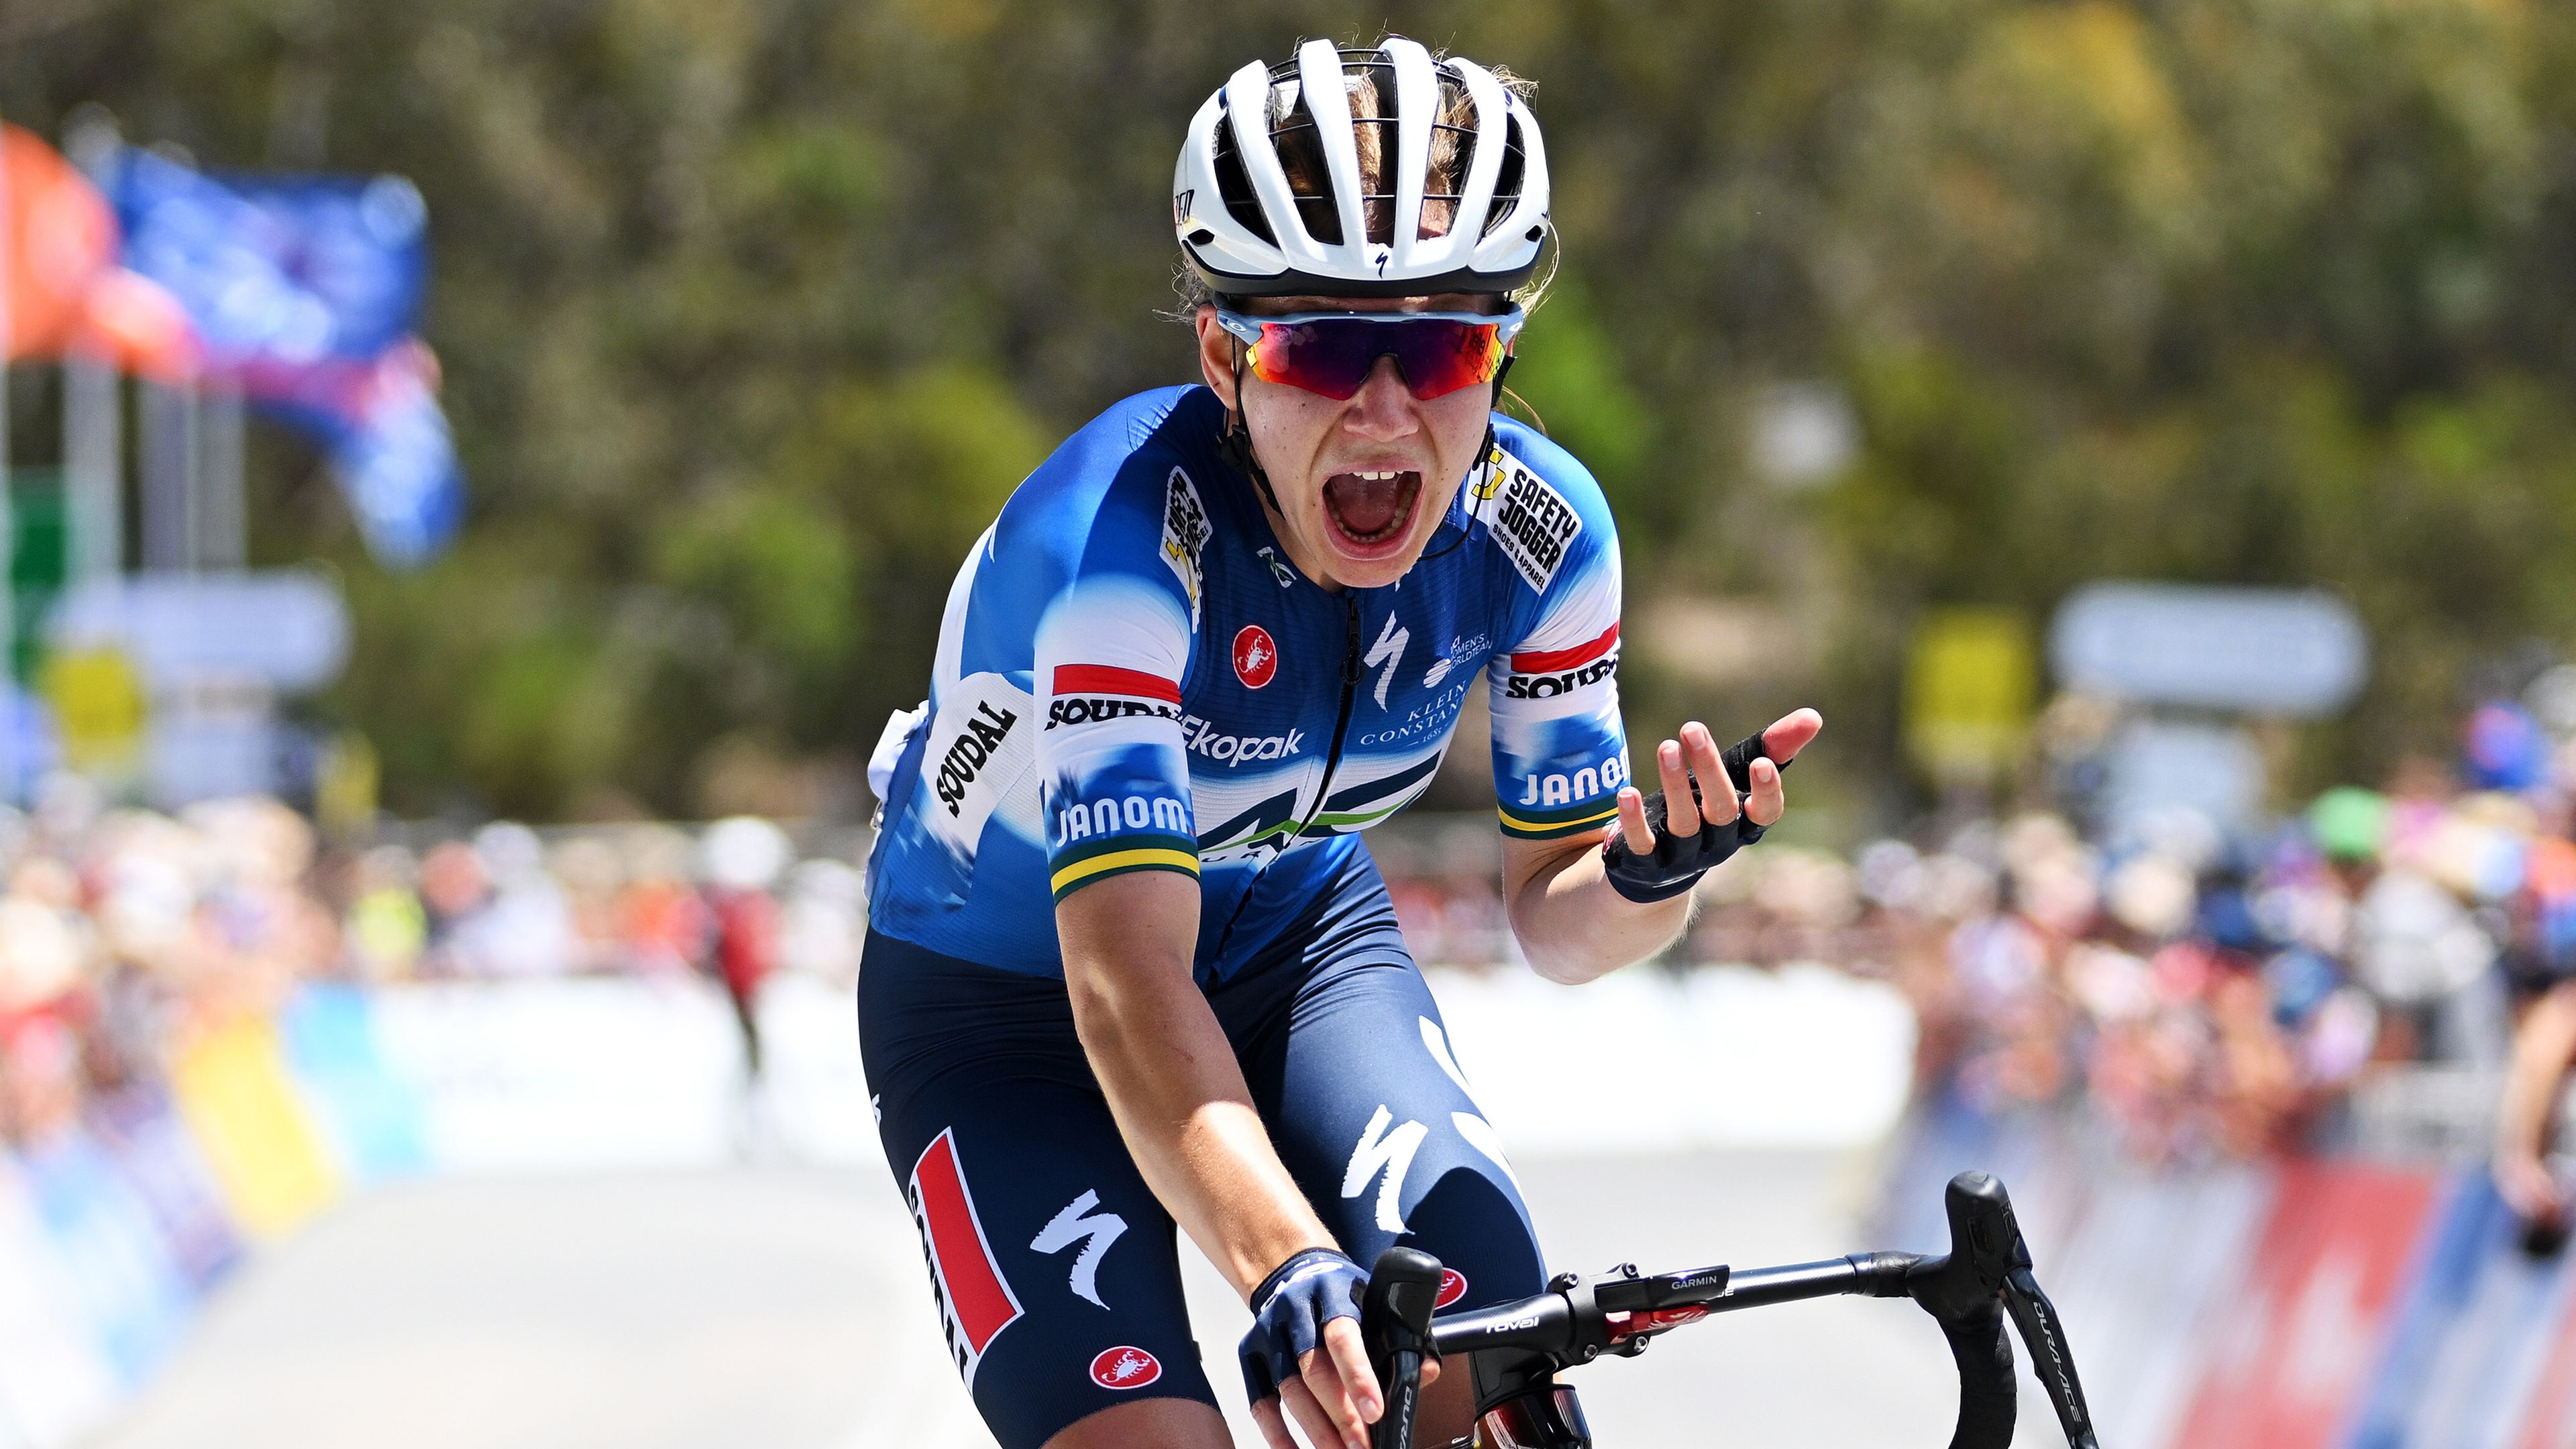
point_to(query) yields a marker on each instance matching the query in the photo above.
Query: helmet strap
(1237, 445)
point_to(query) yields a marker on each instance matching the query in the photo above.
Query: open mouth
(1371, 510)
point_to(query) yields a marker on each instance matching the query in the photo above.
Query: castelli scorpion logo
(1125, 1368)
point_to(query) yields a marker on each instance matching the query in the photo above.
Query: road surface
(782, 1308)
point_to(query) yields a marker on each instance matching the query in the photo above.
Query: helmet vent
(1234, 187)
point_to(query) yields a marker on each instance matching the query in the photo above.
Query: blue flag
(305, 292)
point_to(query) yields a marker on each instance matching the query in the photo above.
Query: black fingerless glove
(1289, 1311)
(1677, 862)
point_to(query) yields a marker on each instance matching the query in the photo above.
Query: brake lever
(1395, 1319)
(2043, 1332)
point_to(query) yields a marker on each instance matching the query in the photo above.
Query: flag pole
(10, 722)
(93, 400)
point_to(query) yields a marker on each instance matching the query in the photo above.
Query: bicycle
(1518, 1348)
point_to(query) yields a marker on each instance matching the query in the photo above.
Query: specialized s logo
(975, 1303)
(1533, 523)
(1185, 536)
(1095, 1231)
(1387, 651)
(976, 743)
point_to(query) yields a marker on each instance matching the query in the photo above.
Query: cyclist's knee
(1147, 1424)
(1470, 1221)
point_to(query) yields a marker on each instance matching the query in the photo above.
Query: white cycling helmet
(1248, 233)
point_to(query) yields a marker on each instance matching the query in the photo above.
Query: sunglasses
(1333, 353)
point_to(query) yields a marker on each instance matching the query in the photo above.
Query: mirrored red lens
(1334, 356)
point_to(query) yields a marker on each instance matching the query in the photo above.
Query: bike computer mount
(1518, 1348)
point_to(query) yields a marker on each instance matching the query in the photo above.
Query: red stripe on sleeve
(1555, 660)
(1109, 679)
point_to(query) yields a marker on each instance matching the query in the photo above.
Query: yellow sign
(344, 785)
(233, 1091)
(1969, 689)
(99, 706)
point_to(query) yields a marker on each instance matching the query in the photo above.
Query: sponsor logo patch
(1125, 1368)
(1548, 686)
(1185, 535)
(1278, 570)
(1093, 711)
(1256, 656)
(980, 736)
(1545, 674)
(1202, 739)
(1543, 791)
(1086, 818)
(976, 762)
(975, 1304)
(1453, 1286)
(1533, 523)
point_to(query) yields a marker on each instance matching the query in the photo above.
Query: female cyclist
(1129, 964)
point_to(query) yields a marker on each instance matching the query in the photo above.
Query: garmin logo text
(982, 736)
(1548, 686)
(1092, 711)
(1083, 819)
(1583, 784)
(1238, 749)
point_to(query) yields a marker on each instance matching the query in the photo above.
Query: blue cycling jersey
(1131, 676)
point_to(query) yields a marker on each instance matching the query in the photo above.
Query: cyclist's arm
(1571, 924)
(1171, 1076)
(1181, 1105)
(2544, 1044)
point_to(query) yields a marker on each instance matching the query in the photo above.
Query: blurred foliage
(752, 312)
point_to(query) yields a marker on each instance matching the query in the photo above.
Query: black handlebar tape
(1395, 1322)
(2044, 1334)
(1965, 1292)
(1987, 1400)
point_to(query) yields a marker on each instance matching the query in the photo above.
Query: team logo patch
(1185, 535)
(1453, 1286)
(975, 1304)
(1533, 523)
(1125, 1368)
(1256, 656)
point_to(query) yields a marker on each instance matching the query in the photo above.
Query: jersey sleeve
(1560, 751)
(1112, 652)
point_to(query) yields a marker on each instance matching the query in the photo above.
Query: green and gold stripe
(1080, 864)
(1564, 820)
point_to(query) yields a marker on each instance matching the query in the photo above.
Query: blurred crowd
(2206, 995)
(123, 932)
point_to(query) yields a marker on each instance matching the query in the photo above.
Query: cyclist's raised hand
(1663, 846)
